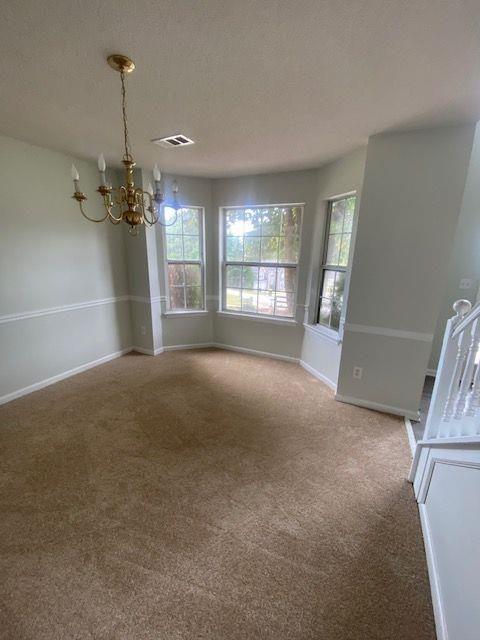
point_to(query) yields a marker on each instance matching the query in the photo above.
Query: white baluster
(461, 308)
(467, 376)
(473, 402)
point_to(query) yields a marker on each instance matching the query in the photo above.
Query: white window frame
(201, 262)
(335, 334)
(223, 265)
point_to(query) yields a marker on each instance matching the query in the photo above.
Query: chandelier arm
(88, 217)
(115, 220)
(109, 208)
(120, 195)
(150, 208)
(164, 224)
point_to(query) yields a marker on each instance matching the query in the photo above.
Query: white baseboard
(385, 408)
(61, 376)
(254, 352)
(318, 375)
(148, 352)
(438, 609)
(432, 372)
(196, 345)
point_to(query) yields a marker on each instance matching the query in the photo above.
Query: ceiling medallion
(135, 205)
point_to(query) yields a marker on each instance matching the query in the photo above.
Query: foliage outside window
(185, 263)
(261, 251)
(334, 268)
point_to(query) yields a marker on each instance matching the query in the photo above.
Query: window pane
(250, 278)
(173, 220)
(288, 248)
(291, 222)
(339, 284)
(344, 250)
(234, 276)
(177, 298)
(252, 249)
(267, 278)
(253, 222)
(328, 284)
(284, 304)
(191, 222)
(194, 297)
(266, 302)
(234, 222)
(269, 250)
(271, 221)
(336, 217)
(333, 249)
(193, 274)
(176, 275)
(335, 317)
(286, 279)
(249, 300)
(191, 248)
(349, 211)
(325, 310)
(234, 299)
(235, 249)
(174, 247)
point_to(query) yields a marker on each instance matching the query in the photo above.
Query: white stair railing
(455, 407)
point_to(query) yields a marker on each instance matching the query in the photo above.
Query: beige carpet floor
(206, 494)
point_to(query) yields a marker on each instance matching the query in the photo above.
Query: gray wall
(51, 257)
(190, 329)
(411, 199)
(465, 260)
(293, 186)
(319, 351)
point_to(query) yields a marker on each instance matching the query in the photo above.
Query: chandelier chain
(128, 154)
(136, 205)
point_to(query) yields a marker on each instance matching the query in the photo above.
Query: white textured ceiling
(260, 85)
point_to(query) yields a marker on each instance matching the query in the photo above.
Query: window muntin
(338, 238)
(184, 258)
(261, 251)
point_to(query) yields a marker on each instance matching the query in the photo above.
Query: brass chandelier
(136, 206)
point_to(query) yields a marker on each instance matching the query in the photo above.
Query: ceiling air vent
(178, 140)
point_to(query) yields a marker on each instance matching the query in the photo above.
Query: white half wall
(447, 485)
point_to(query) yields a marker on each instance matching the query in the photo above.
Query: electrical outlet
(357, 373)
(143, 330)
(465, 283)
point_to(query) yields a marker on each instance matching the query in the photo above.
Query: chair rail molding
(75, 306)
(388, 331)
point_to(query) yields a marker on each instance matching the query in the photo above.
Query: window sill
(324, 332)
(247, 316)
(188, 314)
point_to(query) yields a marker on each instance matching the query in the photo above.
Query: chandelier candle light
(135, 205)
